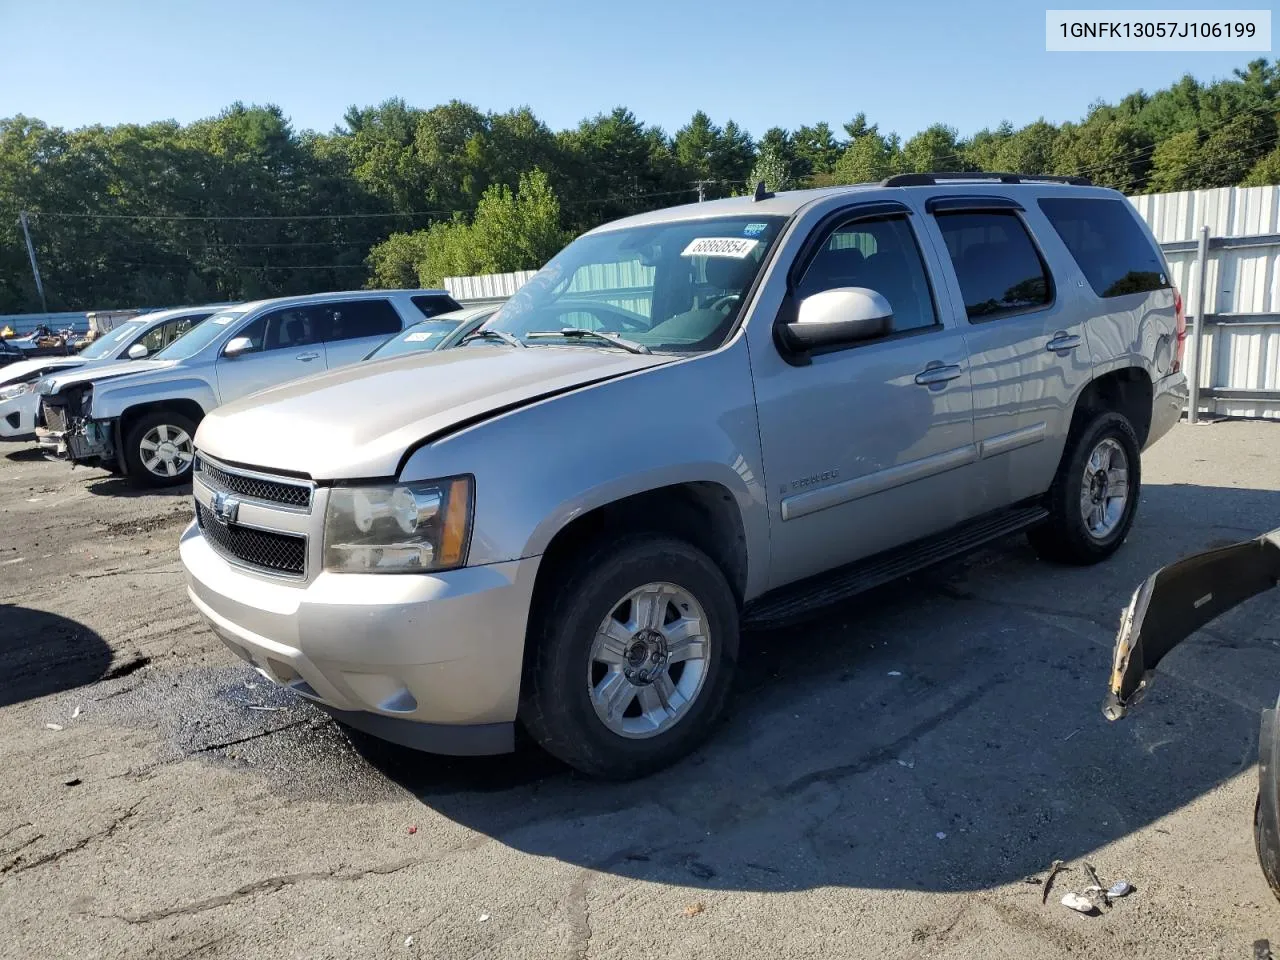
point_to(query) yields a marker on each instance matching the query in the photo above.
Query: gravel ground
(887, 778)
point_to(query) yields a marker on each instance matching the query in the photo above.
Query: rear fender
(1176, 601)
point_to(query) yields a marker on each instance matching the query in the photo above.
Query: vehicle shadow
(944, 733)
(42, 653)
(113, 486)
(25, 455)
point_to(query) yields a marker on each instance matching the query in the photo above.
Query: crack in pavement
(14, 829)
(580, 921)
(201, 948)
(17, 866)
(270, 884)
(954, 594)
(21, 846)
(253, 736)
(882, 755)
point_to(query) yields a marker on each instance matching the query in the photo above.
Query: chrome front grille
(288, 493)
(278, 553)
(260, 521)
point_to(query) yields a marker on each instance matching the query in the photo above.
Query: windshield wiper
(577, 332)
(506, 338)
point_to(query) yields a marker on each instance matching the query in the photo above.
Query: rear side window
(434, 304)
(1110, 248)
(999, 269)
(353, 319)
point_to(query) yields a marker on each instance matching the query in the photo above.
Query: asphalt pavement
(887, 783)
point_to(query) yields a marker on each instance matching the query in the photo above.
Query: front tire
(632, 657)
(1094, 496)
(159, 449)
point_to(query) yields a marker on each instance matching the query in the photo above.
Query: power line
(166, 217)
(230, 266)
(222, 217)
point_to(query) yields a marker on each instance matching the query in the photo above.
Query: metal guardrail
(1223, 243)
(1203, 246)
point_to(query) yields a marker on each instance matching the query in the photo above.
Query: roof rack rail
(931, 179)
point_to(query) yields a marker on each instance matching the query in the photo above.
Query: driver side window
(881, 255)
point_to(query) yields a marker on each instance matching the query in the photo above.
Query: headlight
(401, 528)
(16, 390)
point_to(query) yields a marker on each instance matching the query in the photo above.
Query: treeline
(242, 206)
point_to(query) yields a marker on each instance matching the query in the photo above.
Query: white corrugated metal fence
(1239, 366)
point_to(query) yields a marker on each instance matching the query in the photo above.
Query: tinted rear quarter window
(1108, 245)
(353, 319)
(431, 305)
(999, 269)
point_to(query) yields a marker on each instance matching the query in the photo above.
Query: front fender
(540, 467)
(110, 402)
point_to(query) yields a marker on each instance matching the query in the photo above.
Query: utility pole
(702, 188)
(31, 253)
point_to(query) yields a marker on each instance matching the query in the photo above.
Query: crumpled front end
(66, 429)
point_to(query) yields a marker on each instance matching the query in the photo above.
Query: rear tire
(632, 656)
(156, 444)
(1094, 496)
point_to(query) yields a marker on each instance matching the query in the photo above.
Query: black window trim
(950, 203)
(812, 246)
(1017, 215)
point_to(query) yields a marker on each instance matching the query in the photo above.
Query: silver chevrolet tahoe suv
(138, 418)
(698, 418)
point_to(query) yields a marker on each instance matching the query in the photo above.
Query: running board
(795, 601)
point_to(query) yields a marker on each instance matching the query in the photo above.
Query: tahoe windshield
(669, 287)
(109, 340)
(189, 344)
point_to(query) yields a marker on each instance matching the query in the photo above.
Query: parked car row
(691, 419)
(132, 340)
(138, 416)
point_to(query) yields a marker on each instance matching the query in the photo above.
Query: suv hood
(58, 381)
(24, 370)
(358, 421)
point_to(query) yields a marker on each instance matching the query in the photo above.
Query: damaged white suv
(138, 418)
(724, 412)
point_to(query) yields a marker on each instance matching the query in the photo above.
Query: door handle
(937, 373)
(308, 357)
(1062, 341)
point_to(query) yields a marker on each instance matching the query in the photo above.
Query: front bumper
(432, 661)
(87, 442)
(18, 417)
(52, 442)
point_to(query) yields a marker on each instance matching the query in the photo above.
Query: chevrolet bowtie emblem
(225, 507)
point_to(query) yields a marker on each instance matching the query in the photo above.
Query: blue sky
(906, 64)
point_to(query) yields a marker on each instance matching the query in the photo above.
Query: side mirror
(838, 317)
(236, 346)
(138, 351)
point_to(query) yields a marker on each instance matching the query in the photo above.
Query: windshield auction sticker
(736, 247)
(1159, 31)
